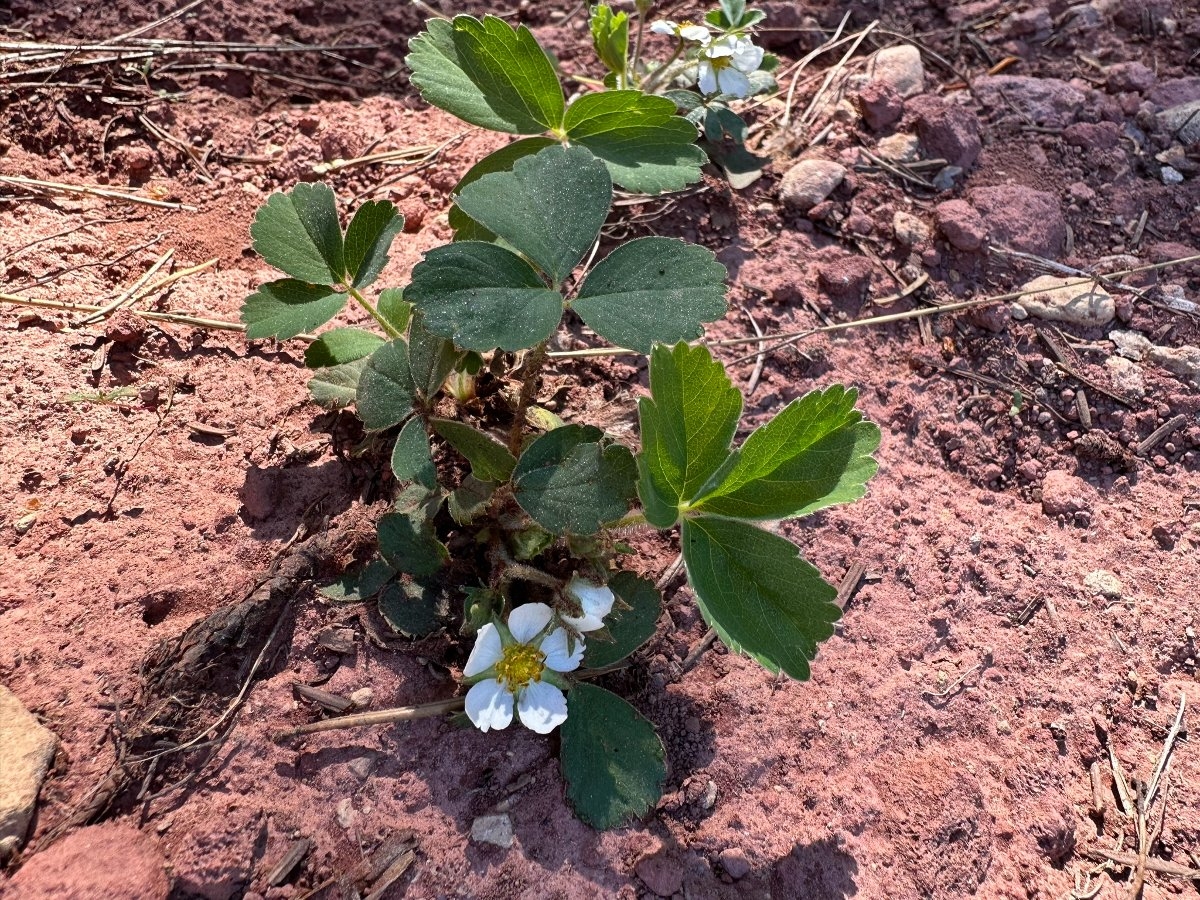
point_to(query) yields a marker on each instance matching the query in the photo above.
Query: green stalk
(370, 308)
(533, 368)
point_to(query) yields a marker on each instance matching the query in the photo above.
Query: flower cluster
(520, 664)
(726, 62)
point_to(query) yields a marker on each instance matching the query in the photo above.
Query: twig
(125, 295)
(1160, 434)
(850, 584)
(36, 184)
(379, 717)
(693, 657)
(1130, 860)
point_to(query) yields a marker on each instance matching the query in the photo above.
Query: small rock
(1184, 360)
(1022, 218)
(809, 182)
(899, 147)
(900, 68)
(1170, 176)
(493, 829)
(1130, 344)
(1019, 312)
(734, 862)
(661, 873)
(1104, 583)
(1130, 76)
(946, 178)
(1032, 23)
(26, 751)
(845, 278)
(1093, 135)
(961, 225)
(362, 698)
(1065, 494)
(137, 159)
(881, 106)
(338, 639)
(1166, 534)
(260, 492)
(345, 813)
(909, 230)
(1067, 300)
(1126, 376)
(109, 860)
(1182, 122)
(947, 132)
(26, 522)
(362, 766)
(125, 327)
(1049, 102)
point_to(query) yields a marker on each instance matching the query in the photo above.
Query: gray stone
(1182, 122)
(1183, 361)
(901, 68)
(662, 873)
(900, 147)
(1104, 583)
(1064, 494)
(494, 829)
(26, 751)
(809, 182)
(1170, 176)
(1067, 300)
(909, 229)
(1126, 376)
(734, 862)
(1050, 102)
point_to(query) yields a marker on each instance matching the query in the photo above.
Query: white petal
(489, 705)
(734, 83)
(584, 623)
(697, 33)
(558, 657)
(718, 48)
(708, 79)
(526, 621)
(595, 601)
(542, 707)
(662, 26)
(747, 57)
(486, 652)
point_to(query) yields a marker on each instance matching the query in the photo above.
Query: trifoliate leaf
(385, 388)
(408, 544)
(283, 309)
(490, 460)
(611, 758)
(652, 289)
(757, 592)
(341, 345)
(815, 453)
(502, 160)
(571, 483)
(549, 207)
(368, 238)
(298, 232)
(413, 609)
(687, 424)
(362, 585)
(394, 308)
(337, 386)
(610, 37)
(431, 358)
(410, 457)
(646, 147)
(482, 296)
(628, 628)
(438, 74)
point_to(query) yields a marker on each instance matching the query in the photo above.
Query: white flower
(596, 600)
(725, 65)
(684, 31)
(517, 664)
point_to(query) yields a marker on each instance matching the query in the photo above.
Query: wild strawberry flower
(596, 601)
(685, 31)
(725, 65)
(519, 664)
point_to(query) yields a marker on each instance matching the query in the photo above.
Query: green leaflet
(687, 424)
(627, 628)
(395, 310)
(411, 460)
(283, 309)
(610, 37)
(502, 160)
(431, 358)
(653, 289)
(298, 233)
(336, 387)
(385, 388)
(370, 235)
(815, 453)
(489, 459)
(341, 345)
(762, 598)
(408, 544)
(362, 585)
(413, 608)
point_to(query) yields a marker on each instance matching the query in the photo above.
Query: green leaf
(529, 542)
(413, 609)
(368, 238)
(570, 482)
(283, 309)
(687, 425)
(502, 160)
(611, 758)
(629, 628)
(489, 459)
(341, 345)
(337, 386)
(438, 74)
(482, 296)
(757, 592)
(395, 310)
(815, 453)
(549, 207)
(298, 232)
(411, 460)
(362, 585)
(652, 289)
(385, 388)
(430, 357)
(409, 545)
(610, 37)
(647, 148)
(469, 499)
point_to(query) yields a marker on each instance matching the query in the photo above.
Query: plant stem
(533, 368)
(637, 44)
(370, 308)
(656, 76)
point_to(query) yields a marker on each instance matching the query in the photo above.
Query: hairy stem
(370, 308)
(654, 78)
(533, 368)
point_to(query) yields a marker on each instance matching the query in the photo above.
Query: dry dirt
(943, 747)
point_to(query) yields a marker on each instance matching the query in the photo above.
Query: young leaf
(687, 424)
(610, 37)
(283, 309)
(368, 238)
(337, 386)
(385, 388)
(629, 628)
(412, 608)
(482, 296)
(815, 453)
(611, 758)
(489, 459)
(341, 345)
(647, 148)
(362, 585)
(395, 310)
(549, 207)
(652, 289)
(408, 544)
(469, 499)
(298, 232)
(410, 457)
(762, 598)
(502, 160)
(571, 483)
(430, 357)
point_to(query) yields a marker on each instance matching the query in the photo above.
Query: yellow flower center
(519, 665)
(720, 63)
